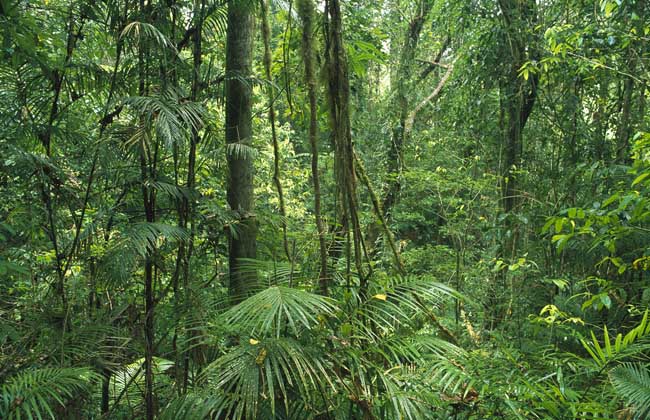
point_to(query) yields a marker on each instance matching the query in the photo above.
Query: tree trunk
(306, 12)
(624, 127)
(239, 54)
(339, 116)
(629, 118)
(518, 95)
(266, 38)
(402, 104)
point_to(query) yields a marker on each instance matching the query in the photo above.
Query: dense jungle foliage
(324, 209)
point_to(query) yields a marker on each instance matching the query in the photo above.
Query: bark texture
(239, 54)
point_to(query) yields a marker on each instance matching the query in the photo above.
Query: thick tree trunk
(239, 43)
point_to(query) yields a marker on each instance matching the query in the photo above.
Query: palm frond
(138, 30)
(241, 151)
(271, 272)
(450, 376)
(271, 311)
(117, 264)
(620, 346)
(176, 191)
(403, 402)
(632, 382)
(260, 371)
(169, 113)
(38, 393)
(130, 380)
(91, 344)
(215, 23)
(396, 305)
(193, 405)
(144, 237)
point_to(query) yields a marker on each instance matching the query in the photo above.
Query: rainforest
(324, 209)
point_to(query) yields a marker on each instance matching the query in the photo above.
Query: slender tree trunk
(191, 183)
(266, 37)
(149, 334)
(402, 89)
(148, 205)
(306, 12)
(630, 117)
(624, 126)
(518, 96)
(601, 151)
(519, 93)
(104, 122)
(239, 43)
(45, 136)
(339, 116)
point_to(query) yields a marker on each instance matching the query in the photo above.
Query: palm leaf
(193, 405)
(37, 393)
(632, 382)
(143, 237)
(257, 371)
(404, 404)
(269, 312)
(396, 304)
(142, 29)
